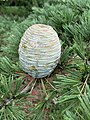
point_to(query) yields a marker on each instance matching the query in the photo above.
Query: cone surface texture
(39, 50)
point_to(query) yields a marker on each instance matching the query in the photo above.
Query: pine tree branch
(25, 90)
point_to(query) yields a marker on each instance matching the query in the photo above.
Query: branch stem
(85, 83)
(25, 90)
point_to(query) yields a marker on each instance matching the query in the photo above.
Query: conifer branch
(25, 90)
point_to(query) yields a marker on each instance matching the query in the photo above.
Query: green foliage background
(68, 95)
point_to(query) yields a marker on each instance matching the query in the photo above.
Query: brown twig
(51, 85)
(85, 83)
(27, 87)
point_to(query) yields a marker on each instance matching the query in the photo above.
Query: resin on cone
(39, 50)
